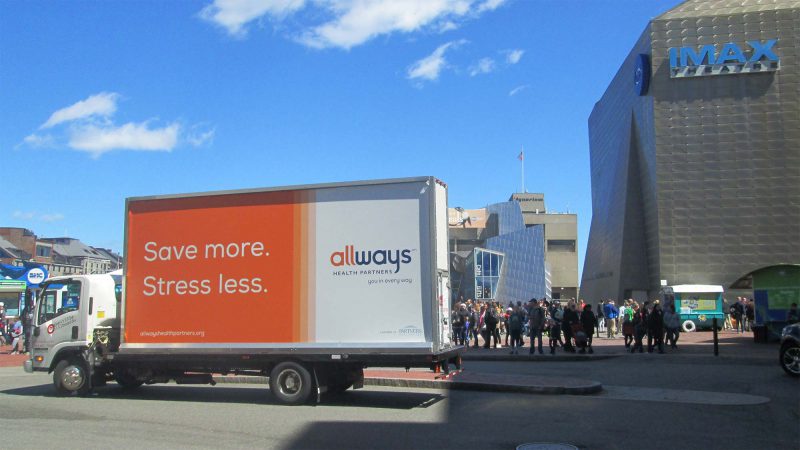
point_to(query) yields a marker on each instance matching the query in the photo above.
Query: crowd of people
(570, 327)
(12, 331)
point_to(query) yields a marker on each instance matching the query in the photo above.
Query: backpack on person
(491, 317)
(515, 322)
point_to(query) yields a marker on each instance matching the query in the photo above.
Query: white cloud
(513, 56)
(518, 89)
(87, 126)
(39, 141)
(484, 65)
(131, 136)
(429, 67)
(233, 15)
(347, 23)
(357, 22)
(198, 138)
(51, 217)
(32, 215)
(24, 215)
(490, 5)
(103, 104)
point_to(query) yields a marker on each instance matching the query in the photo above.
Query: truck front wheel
(290, 383)
(71, 377)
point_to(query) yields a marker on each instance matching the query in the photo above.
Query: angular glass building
(695, 151)
(498, 257)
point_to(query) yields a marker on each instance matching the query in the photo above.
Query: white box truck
(306, 285)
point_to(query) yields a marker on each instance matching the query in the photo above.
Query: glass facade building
(507, 265)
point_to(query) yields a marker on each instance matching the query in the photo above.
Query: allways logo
(352, 257)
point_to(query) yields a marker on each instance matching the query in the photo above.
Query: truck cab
(74, 315)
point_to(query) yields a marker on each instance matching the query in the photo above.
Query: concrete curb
(466, 356)
(590, 387)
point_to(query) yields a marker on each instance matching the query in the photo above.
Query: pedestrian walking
(655, 329)
(588, 322)
(515, 329)
(600, 318)
(611, 313)
(536, 324)
(672, 323)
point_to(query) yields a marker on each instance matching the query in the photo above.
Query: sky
(100, 101)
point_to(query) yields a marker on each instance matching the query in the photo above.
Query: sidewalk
(700, 344)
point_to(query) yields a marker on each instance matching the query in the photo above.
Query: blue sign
(730, 59)
(641, 74)
(32, 274)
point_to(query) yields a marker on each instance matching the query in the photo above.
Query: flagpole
(523, 168)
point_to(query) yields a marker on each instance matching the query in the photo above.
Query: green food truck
(697, 304)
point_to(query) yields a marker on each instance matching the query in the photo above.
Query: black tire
(790, 359)
(71, 377)
(688, 326)
(127, 379)
(290, 383)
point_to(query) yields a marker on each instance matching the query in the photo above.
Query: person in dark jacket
(491, 318)
(474, 324)
(536, 317)
(589, 322)
(570, 318)
(655, 329)
(600, 318)
(514, 325)
(640, 327)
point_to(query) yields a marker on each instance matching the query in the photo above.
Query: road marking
(679, 396)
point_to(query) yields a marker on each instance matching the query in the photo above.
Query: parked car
(790, 349)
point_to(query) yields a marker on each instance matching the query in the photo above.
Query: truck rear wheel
(290, 383)
(71, 377)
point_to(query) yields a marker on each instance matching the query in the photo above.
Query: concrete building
(70, 252)
(59, 256)
(28, 246)
(695, 151)
(561, 242)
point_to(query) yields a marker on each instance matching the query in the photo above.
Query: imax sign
(730, 59)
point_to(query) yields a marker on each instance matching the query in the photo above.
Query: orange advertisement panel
(217, 269)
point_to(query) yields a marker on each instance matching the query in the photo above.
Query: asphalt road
(650, 401)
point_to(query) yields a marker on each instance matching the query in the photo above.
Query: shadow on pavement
(396, 399)
(370, 435)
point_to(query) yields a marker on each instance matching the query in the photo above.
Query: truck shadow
(245, 395)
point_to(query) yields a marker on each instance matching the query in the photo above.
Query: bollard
(716, 337)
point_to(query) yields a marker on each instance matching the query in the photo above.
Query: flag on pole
(521, 156)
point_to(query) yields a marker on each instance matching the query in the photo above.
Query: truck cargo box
(332, 269)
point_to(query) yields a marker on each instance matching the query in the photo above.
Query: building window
(561, 245)
(43, 251)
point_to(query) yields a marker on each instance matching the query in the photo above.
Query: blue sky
(100, 101)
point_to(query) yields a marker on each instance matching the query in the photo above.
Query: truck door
(443, 297)
(58, 314)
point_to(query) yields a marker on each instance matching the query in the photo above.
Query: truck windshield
(59, 298)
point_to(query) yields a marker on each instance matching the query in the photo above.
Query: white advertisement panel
(368, 268)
